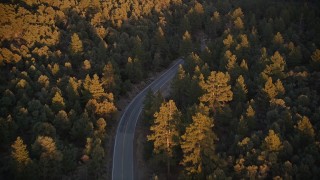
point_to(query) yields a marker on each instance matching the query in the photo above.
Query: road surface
(123, 162)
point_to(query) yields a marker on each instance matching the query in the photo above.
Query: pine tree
(72, 90)
(278, 39)
(280, 89)
(76, 44)
(270, 89)
(228, 62)
(315, 59)
(58, 102)
(180, 87)
(238, 23)
(273, 142)
(228, 41)
(244, 41)
(191, 62)
(165, 131)
(151, 105)
(96, 89)
(198, 146)
(101, 129)
(134, 70)
(295, 55)
(20, 155)
(217, 90)
(277, 66)
(81, 128)
(305, 127)
(97, 159)
(62, 122)
(50, 157)
(109, 78)
(186, 44)
(240, 90)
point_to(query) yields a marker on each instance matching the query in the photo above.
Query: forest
(244, 105)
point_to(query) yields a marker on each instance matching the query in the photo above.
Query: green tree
(186, 44)
(110, 79)
(62, 122)
(134, 70)
(82, 128)
(72, 90)
(151, 105)
(50, 157)
(240, 90)
(217, 90)
(191, 62)
(165, 131)
(198, 146)
(180, 86)
(97, 159)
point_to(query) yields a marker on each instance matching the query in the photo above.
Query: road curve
(123, 162)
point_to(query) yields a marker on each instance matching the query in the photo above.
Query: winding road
(123, 161)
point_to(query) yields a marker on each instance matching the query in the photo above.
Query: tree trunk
(168, 156)
(168, 167)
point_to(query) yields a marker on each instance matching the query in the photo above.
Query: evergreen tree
(228, 41)
(240, 90)
(165, 131)
(95, 88)
(278, 39)
(198, 146)
(181, 87)
(62, 122)
(58, 102)
(50, 157)
(134, 70)
(76, 44)
(305, 127)
(110, 79)
(277, 66)
(81, 128)
(273, 142)
(270, 89)
(20, 156)
(186, 44)
(315, 59)
(217, 90)
(238, 23)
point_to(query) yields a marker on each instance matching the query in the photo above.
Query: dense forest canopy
(245, 104)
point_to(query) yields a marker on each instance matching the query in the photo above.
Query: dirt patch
(140, 134)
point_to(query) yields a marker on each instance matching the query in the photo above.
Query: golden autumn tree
(273, 142)
(165, 131)
(20, 155)
(217, 90)
(198, 145)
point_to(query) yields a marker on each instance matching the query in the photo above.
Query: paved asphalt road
(123, 162)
